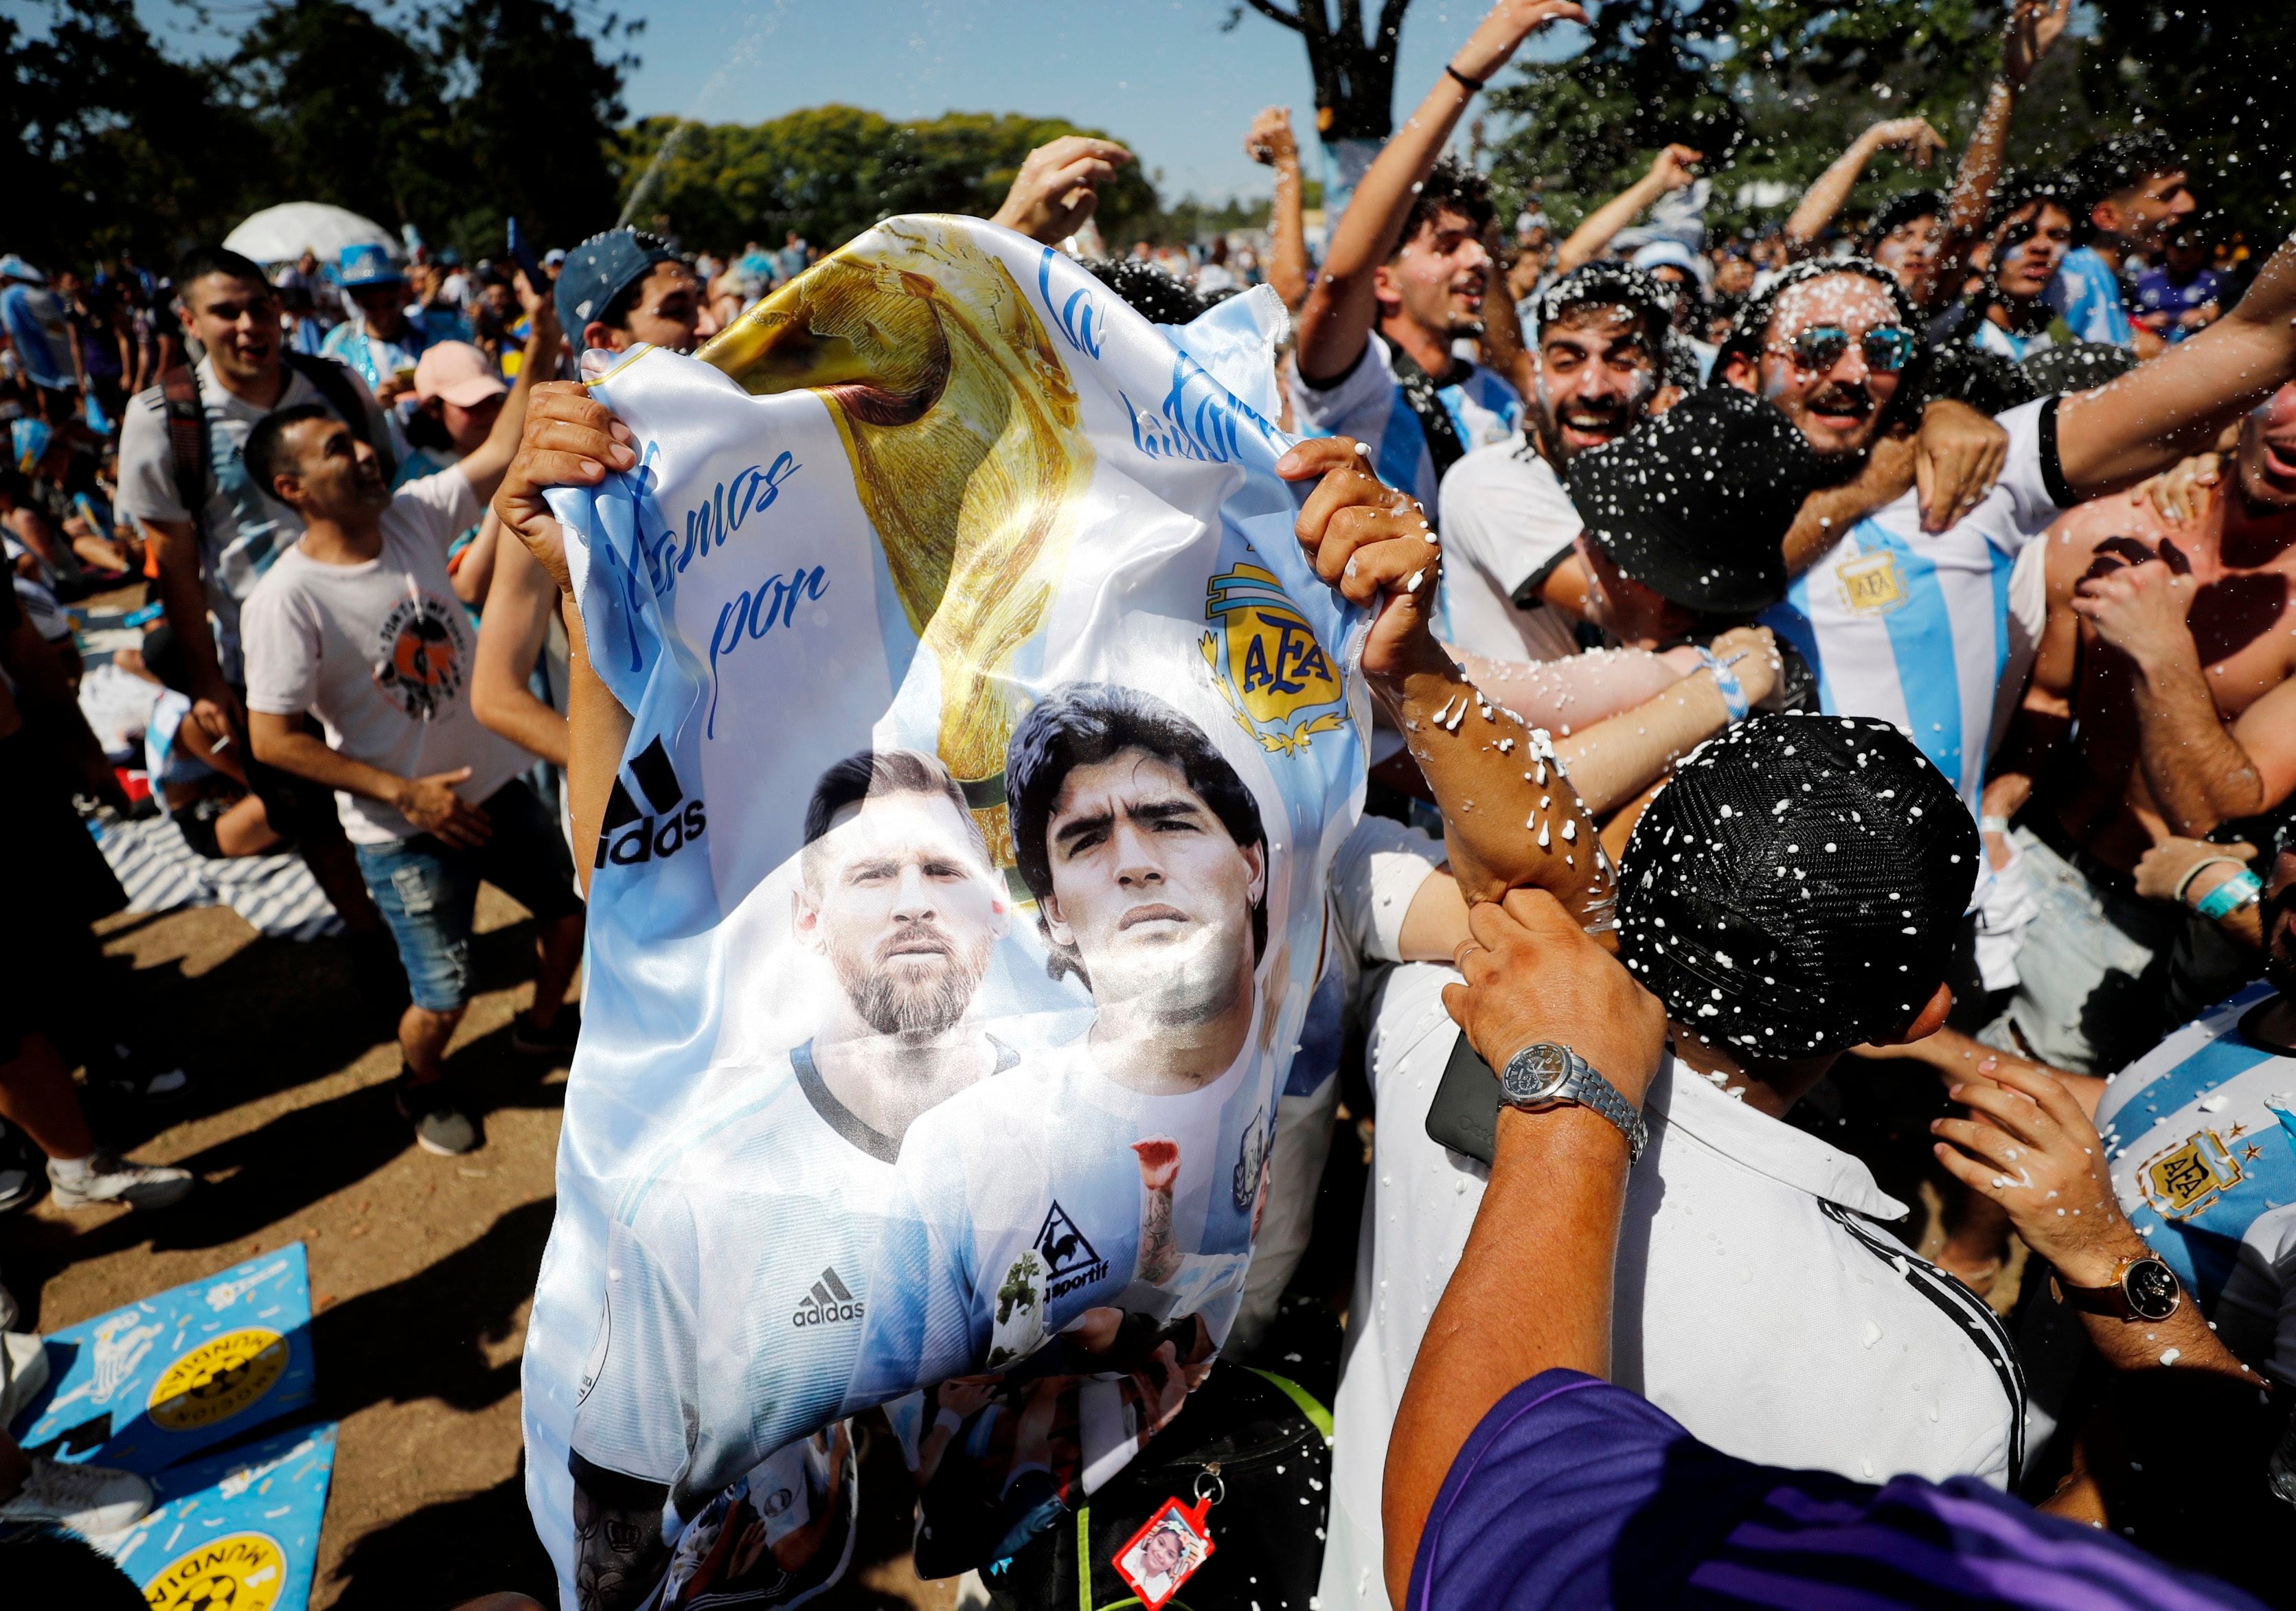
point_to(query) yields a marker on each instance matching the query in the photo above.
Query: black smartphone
(1466, 1113)
(528, 265)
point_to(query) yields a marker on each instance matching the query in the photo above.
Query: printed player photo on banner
(933, 1061)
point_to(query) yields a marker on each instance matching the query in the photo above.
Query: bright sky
(1158, 74)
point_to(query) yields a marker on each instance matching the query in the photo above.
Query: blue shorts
(428, 890)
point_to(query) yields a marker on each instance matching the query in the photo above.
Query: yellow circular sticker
(242, 1572)
(218, 1379)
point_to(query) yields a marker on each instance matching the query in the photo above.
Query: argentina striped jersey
(1914, 628)
(1368, 404)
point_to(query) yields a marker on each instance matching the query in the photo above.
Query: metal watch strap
(1580, 1084)
(1590, 1088)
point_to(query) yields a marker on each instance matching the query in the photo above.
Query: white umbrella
(277, 235)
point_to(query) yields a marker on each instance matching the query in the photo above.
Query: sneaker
(110, 1178)
(557, 1041)
(91, 1499)
(440, 1124)
(27, 1372)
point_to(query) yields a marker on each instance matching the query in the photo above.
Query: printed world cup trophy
(962, 425)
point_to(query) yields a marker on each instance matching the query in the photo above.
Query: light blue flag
(959, 899)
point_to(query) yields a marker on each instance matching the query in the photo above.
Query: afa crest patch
(1872, 584)
(2186, 1178)
(1266, 663)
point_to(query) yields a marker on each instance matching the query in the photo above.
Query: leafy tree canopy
(830, 172)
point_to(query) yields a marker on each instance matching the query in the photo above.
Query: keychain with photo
(1177, 1541)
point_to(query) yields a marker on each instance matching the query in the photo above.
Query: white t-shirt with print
(1507, 522)
(380, 653)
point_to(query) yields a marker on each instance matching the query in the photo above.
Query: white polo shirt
(1507, 522)
(1757, 1303)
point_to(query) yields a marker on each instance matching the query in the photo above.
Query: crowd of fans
(1907, 595)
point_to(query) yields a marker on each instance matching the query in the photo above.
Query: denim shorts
(428, 890)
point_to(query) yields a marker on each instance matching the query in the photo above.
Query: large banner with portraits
(959, 905)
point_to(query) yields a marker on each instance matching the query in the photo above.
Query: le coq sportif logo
(667, 825)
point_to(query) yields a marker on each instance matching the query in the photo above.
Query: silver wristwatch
(1546, 1072)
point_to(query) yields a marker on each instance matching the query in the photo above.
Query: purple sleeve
(1576, 1493)
(1535, 1506)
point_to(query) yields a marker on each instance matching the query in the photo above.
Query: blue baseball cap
(13, 267)
(601, 269)
(367, 265)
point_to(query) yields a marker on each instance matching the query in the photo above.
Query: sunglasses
(1888, 347)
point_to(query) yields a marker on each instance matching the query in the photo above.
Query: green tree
(1589, 124)
(830, 172)
(537, 119)
(114, 145)
(353, 113)
(1353, 71)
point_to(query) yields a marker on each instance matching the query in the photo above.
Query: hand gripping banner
(960, 893)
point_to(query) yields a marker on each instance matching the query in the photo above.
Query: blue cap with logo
(601, 269)
(368, 265)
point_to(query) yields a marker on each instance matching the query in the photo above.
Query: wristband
(1999, 825)
(2200, 867)
(1472, 84)
(2239, 891)
(949, 1421)
(1734, 693)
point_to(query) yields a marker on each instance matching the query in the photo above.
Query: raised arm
(1344, 305)
(1519, 1304)
(1271, 141)
(1511, 817)
(1823, 202)
(1057, 188)
(571, 440)
(1672, 170)
(510, 634)
(2032, 27)
(2175, 406)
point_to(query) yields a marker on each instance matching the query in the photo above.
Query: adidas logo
(630, 836)
(828, 1302)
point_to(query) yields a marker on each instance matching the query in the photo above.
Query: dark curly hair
(1451, 186)
(1085, 723)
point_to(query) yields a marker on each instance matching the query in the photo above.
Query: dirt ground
(422, 1268)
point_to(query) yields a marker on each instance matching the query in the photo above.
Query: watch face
(1535, 1072)
(2151, 1288)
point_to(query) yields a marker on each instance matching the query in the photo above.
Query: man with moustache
(704, 1301)
(1122, 1169)
(2163, 703)
(1913, 627)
